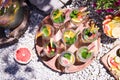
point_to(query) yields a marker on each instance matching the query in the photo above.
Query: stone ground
(35, 70)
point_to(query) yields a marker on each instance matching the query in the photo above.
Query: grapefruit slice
(22, 55)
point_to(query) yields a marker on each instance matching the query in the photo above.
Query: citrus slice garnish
(75, 20)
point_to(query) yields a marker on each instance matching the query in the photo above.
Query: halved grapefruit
(23, 55)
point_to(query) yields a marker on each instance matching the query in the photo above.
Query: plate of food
(111, 26)
(112, 61)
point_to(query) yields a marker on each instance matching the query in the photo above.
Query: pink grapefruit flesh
(23, 55)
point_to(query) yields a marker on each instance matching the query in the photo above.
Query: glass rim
(79, 56)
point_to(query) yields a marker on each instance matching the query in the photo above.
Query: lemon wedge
(75, 20)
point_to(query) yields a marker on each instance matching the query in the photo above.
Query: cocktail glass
(84, 54)
(89, 34)
(46, 31)
(50, 49)
(58, 17)
(66, 59)
(77, 16)
(69, 37)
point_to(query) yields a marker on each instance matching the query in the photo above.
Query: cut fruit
(75, 20)
(106, 21)
(22, 55)
(116, 31)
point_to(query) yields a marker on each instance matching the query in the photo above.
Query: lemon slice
(75, 20)
(117, 59)
(58, 15)
(116, 31)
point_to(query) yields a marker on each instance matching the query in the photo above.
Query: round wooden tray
(53, 62)
(15, 34)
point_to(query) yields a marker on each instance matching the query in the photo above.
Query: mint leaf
(45, 31)
(88, 55)
(55, 12)
(67, 55)
(84, 53)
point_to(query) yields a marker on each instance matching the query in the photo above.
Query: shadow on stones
(28, 69)
(5, 59)
(12, 69)
(21, 78)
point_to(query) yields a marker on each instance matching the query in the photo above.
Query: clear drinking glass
(83, 54)
(47, 31)
(69, 37)
(89, 35)
(77, 16)
(50, 49)
(66, 59)
(58, 17)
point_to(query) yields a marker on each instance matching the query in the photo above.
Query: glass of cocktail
(46, 31)
(89, 34)
(50, 49)
(69, 37)
(58, 17)
(84, 54)
(77, 16)
(66, 59)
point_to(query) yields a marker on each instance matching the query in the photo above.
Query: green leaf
(84, 53)
(55, 12)
(52, 52)
(59, 19)
(88, 55)
(67, 55)
(45, 31)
